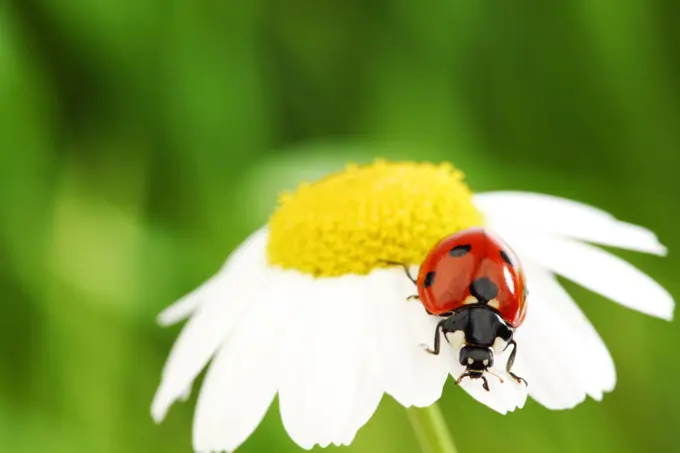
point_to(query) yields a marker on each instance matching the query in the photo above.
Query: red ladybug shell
(472, 267)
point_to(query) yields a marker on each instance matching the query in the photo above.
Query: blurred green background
(141, 141)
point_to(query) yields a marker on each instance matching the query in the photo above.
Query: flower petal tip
(597, 396)
(157, 416)
(667, 312)
(175, 313)
(159, 408)
(670, 316)
(654, 246)
(164, 320)
(344, 442)
(662, 250)
(305, 445)
(565, 406)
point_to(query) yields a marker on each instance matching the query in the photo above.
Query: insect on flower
(474, 281)
(307, 309)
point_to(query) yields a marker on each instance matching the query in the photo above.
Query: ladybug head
(476, 360)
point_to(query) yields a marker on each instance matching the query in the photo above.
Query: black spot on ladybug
(460, 250)
(429, 279)
(506, 258)
(483, 290)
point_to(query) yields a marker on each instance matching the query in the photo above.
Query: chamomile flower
(306, 308)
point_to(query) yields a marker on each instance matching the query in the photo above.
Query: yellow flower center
(354, 220)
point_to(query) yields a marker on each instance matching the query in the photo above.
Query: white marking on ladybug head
(486, 362)
(470, 361)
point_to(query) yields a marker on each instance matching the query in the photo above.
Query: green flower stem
(431, 431)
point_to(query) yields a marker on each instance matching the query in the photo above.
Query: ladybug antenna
(495, 375)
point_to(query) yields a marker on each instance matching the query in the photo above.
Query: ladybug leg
(410, 277)
(455, 323)
(406, 269)
(485, 384)
(511, 361)
(437, 339)
(460, 378)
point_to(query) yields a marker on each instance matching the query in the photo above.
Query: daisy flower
(307, 309)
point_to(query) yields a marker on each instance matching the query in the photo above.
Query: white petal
(411, 375)
(559, 216)
(559, 352)
(325, 351)
(238, 285)
(502, 397)
(241, 381)
(186, 394)
(187, 305)
(369, 391)
(366, 402)
(346, 349)
(595, 269)
(299, 348)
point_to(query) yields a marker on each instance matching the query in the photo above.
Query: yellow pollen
(352, 221)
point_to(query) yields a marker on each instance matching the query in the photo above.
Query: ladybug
(475, 283)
